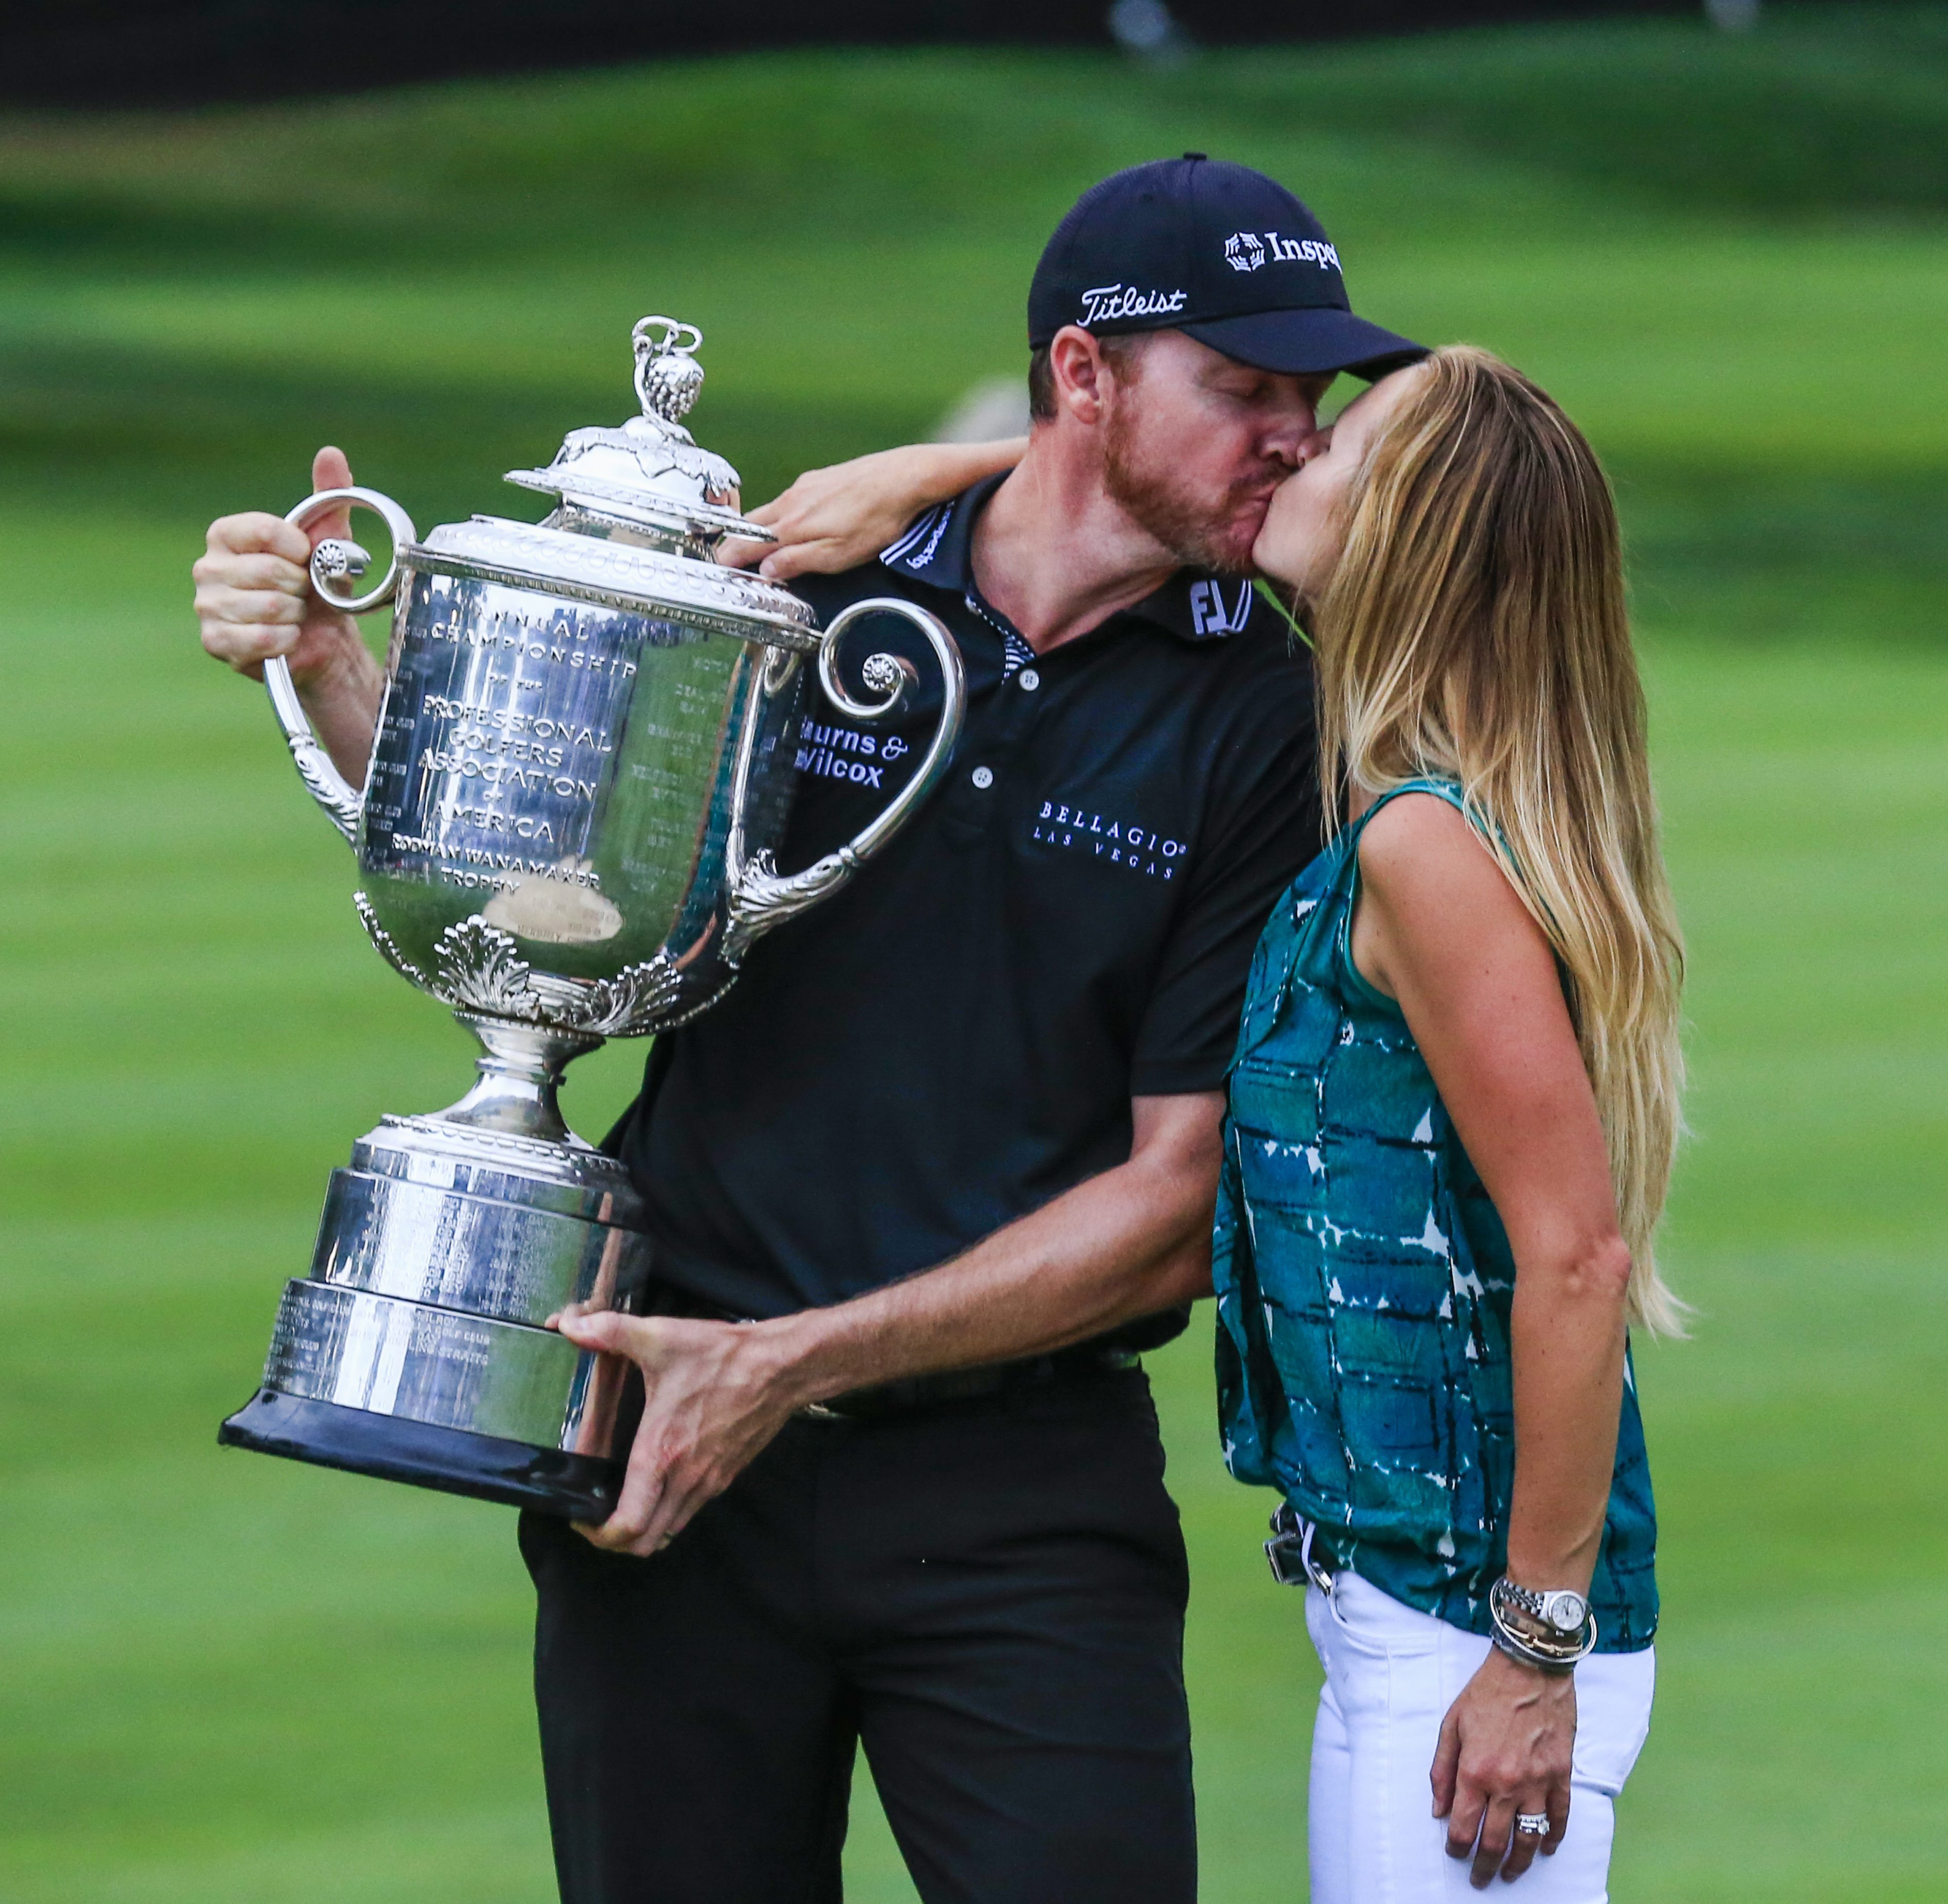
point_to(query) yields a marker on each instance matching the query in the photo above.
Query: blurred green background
(225, 1678)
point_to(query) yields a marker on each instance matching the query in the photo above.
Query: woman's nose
(1315, 442)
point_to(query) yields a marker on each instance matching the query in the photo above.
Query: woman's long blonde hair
(1474, 629)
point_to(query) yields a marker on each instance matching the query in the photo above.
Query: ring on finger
(1532, 1824)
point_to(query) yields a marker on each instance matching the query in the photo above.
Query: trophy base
(576, 1486)
(417, 1348)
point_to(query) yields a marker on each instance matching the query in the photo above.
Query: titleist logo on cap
(1109, 303)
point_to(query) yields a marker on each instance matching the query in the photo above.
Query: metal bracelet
(1527, 1655)
(1522, 1636)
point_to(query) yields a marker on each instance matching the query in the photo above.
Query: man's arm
(1134, 1241)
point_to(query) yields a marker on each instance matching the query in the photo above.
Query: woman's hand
(835, 519)
(1505, 1747)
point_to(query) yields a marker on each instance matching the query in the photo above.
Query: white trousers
(1392, 1672)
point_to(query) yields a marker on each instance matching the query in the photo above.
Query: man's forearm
(1126, 1244)
(1123, 1244)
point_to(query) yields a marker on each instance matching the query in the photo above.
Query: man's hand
(1130, 1243)
(254, 601)
(1506, 1746)
(253, 593)
(714, 1394)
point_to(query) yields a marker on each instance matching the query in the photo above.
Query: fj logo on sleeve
(1210, 614)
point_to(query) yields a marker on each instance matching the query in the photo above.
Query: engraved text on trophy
(499, 731)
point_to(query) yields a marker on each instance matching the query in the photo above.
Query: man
(952, 1141)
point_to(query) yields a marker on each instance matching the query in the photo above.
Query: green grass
(226, 1679)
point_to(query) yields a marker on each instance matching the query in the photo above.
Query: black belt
(970, 1385)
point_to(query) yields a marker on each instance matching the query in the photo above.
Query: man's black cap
(1214, 250)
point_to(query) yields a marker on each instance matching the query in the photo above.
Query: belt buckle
(1289, 1551)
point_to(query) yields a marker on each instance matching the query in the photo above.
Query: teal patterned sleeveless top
(1363, 1285)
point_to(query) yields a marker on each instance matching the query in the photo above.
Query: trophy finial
(668, 376)
(650, 474)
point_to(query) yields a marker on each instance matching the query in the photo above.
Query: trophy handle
(330, 560)
(760, 897)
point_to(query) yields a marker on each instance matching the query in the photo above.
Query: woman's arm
(835, 519)
(1439, 929)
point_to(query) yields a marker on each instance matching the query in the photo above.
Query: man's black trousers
(988, 1594)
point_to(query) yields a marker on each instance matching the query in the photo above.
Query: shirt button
(983, 777)
(1029, 680)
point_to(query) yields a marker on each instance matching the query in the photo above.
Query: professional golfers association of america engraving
(582, 771)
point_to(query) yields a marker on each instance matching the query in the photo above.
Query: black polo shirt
(1066, 924)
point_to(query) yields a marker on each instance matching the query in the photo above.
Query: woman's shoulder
(1416, 804)
(1421, 832)
(1435, 897)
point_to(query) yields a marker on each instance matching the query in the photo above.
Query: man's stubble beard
(1197, 536)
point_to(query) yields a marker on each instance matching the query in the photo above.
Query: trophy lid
(651, 470)
(640, 509)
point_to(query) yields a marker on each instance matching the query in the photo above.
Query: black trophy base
(576, 1486)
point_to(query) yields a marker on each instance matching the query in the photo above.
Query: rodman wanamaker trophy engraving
(582, 770)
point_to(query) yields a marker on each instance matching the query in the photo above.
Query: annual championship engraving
(499, 733)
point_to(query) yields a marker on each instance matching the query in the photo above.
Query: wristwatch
(1562, 1611)
(1548, 1631)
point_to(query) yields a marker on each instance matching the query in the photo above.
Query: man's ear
(1078, 373)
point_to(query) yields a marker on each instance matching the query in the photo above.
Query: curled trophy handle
(330, 560)
(760, 897)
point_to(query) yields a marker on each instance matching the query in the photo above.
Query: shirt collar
(1193, 605)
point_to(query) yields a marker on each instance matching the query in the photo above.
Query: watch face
(1565, 1611)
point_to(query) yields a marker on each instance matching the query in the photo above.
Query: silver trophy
(583, 769)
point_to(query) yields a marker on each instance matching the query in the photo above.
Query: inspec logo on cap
(1243, 251)
(1215, 250)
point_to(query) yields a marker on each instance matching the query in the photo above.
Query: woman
(1452, 1115)
(1452, 1112)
